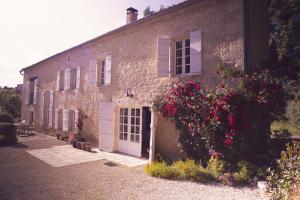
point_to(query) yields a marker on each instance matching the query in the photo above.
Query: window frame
(184, 56)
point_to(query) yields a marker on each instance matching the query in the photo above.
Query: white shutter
(196, 48)
(65, 120)
(42, 110)
(27, 88)
(78, 78)
(92, 71)
(56, 119)
(50, 109)
(57, 80)
(67, 78)
(35, 90)
(163, 54)
(106, 126)
(107, 75)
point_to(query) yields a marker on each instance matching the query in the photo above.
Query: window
(135, 125)
(31, 117)
(73, 79)
(61, 80)
(60, 120)
(130, 119)
(123, 124)
(100, 72)
(71, 120)
(182, 56)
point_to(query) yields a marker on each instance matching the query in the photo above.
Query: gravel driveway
(23, 176)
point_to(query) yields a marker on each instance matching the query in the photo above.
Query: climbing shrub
(232, 124)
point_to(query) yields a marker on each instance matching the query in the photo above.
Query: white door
(106, 126)
(130, 129)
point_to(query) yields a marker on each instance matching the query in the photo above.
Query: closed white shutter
(78, 78)
(65, 120)
(35, 90)
(42, 109)
(163, 54)
(58, 80)
(50, 109)
(92, 71)
(107, 79)
(76, 119)
(56, 119)
(196, 48)
(27, 88)
(67, 78)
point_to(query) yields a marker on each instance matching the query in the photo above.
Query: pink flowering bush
(229, 123)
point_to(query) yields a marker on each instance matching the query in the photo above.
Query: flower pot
(73, 142)
(83, 145)
(88, 147)
(58, 136)
(78, 145)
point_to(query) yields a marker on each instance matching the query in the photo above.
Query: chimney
(132, 15)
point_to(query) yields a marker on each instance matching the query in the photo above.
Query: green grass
(284, 125)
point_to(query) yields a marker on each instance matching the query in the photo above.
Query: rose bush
(228, 123)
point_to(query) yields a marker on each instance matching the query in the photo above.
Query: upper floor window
(182, 56)
(68, 79)
(101, 72)
(31, 91)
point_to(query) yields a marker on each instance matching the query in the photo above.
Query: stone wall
(134, 61)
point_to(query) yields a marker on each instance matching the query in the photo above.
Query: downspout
(152, 135)
(247, 42)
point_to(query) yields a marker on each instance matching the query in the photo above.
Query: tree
(148, 11)
(10, 101)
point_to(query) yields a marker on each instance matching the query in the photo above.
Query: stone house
(113, 78)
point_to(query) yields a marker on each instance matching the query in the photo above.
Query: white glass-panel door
(129, 141)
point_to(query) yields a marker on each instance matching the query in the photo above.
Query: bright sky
(31, 30)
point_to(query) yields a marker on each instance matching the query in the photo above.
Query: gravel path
(22, 176)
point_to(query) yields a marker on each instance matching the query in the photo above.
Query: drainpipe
(152, 135)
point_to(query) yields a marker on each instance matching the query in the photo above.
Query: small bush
(161, 170)
(245, 172)
(282, 179)
(7, 129)
(5, 117)
(7, 140)
(216, 167)
(180, 170)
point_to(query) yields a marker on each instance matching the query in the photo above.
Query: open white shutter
(92, 71)
(78, 78)
(27, 88)
(57, 80)
(42, 110)
(163, 54)
(35, 90)
(196, 48)
(67, 78)
(107, 79)
(56, 119)
(50, 109)
(65, 120)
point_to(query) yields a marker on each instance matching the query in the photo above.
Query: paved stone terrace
(63, 155)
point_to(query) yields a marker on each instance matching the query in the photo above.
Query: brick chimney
(132, 15)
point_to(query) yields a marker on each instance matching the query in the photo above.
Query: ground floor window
(31, 117)
(71, 120)
(60, 120)
(123, 123)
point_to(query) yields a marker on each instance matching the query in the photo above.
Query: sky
(32, 30)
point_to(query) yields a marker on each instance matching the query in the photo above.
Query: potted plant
(73, 142)
(88, 147)
(83, 145)
(58, 135)
(78, 144)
